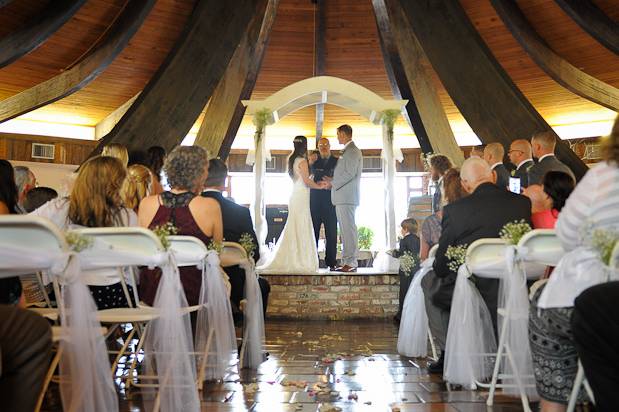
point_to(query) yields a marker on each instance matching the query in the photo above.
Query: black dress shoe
(437, 367)
(333, 268)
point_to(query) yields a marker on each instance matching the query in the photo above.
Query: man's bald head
(493, 153)
(474, 172)
(519, 151)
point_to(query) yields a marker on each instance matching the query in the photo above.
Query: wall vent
(43, 151)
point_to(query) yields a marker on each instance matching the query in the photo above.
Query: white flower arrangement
(216, 246)
(78, 242)
(247, 242)
(456, 255)
(163, 232)
(408, 262)
(604, 242)
(512, 232)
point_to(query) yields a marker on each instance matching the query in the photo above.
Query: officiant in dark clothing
(236, 221)
(322, 210)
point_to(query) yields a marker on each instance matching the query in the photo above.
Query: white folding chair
(485, 253)
(580, 378)
(143, 245)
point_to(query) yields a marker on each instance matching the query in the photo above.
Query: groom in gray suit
(345, 196)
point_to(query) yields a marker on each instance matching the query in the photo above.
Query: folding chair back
(232, 254)
(484, 256)
(542, 246)
(32, 233)
(135, 240)
(432, 252)
(188, 250)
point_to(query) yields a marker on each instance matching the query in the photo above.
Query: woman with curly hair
(95, 202)
(186, 168)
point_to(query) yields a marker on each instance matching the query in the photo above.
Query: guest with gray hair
(186, 168)
(25, 181)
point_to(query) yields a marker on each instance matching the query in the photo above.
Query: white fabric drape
(470, 334)
(258, 159)
(253, 335)
(86, 381)
(413, 334)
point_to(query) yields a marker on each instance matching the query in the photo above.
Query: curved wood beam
(594, 21)
(224, 112)
(4, 2)
(483, 92)
(171, 102)
(37, 30)
(82, 73)
(555, 66)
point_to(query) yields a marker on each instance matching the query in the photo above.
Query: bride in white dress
(295, 251)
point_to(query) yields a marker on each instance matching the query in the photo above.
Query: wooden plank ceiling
(352, 52)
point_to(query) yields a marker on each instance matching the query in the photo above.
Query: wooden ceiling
(352, 52)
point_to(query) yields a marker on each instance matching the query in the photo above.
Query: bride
(295, 251)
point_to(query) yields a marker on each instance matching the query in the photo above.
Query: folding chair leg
(202, 370)
(523, 395)
(578, 381)
(48, 378)
(497, 362)
(122, 350)
(432, 345)
(135, 358)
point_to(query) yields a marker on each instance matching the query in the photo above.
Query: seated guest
(10, 288)
(493, 154)
(26, 343)
(408, 244)
(236, 222)
(25, 181)
(186, 168)
(595, 324)
(593, 205)
(118, 151)
(481, 214)
(37, 197)
(136, 186)
(520, 155)
(155, 158)
(95, 202)
(543, 145)
(438, 164)
(548, 200)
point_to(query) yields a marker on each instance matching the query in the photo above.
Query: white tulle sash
(253, 335)
(413, 334)
(576, 271)
(85, 382)
(470, 334)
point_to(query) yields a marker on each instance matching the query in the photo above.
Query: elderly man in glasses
(520, 155)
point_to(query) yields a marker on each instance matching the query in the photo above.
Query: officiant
(323, 211)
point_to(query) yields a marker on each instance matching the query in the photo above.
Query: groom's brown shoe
(347, 269)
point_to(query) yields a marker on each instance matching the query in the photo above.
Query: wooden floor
(333, 366)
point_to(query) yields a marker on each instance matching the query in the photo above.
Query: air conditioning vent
(372, 164)
(43, 151)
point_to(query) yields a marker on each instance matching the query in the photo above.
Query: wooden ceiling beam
(32, 34)
(224, 112)
(559, 69)
(406, 64)
(171, 102)
(594, 21)
(86, 70)
(490, 102)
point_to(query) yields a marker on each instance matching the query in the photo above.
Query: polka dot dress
(110, 297)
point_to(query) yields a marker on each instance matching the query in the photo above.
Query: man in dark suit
(322, 210)
(520, 154)
(543, 145)
(493, 154)
(482, 214)
(236, 221)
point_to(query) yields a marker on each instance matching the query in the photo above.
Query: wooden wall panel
(68, 151)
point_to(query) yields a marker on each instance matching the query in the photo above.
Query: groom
(345, 196)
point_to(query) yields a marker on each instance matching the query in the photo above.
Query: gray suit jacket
(547, 164)
(347, 177)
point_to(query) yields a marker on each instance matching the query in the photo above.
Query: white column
(389, 179)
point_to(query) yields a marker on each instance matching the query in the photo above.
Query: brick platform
(333, 296)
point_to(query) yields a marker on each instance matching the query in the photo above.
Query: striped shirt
(594, 204)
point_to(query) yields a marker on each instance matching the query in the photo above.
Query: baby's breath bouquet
(216, 246)
(408, 261)
(163, 232)
(604, 241)
(456, 255)
(78, 242)
(247, 242)
(512, 232)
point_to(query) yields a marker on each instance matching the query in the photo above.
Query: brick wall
(333, 296)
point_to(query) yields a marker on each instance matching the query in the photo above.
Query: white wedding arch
(324, 90)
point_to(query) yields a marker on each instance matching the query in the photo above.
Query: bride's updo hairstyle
(300, 150)
(95, 199)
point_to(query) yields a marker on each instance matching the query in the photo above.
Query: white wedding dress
(295, 251)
